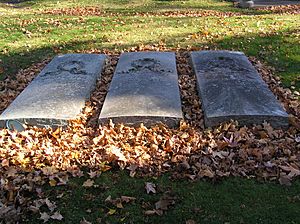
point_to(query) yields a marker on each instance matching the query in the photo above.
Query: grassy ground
(27, 35)
(232, 200)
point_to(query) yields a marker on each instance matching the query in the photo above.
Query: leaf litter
(37, 157)
(98, 11)
(282, 9)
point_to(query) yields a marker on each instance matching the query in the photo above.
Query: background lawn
(28, 34)
(31, 31)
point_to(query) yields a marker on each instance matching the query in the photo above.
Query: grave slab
(144, 89)
(268, 3)
(57, 94)
(231, 88)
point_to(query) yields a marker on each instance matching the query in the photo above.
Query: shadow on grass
(13, 62)
(13, 1)
(280, 50)
(158, 6)
(17, 3)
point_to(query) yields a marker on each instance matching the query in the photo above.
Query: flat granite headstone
(268, 3)
(231, 88)
(144, 89)
(57, 94)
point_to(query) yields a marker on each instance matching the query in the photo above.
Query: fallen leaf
(52, 183)
(285, 180)
(50, 205)
(190, 221)
(127, 199)
(150, 212)
(119, 204)
(108, 199)
(44, 216)
(56, 216)
(94, 174)
(88, 183)
(163, 204)
(5, 162)
(11, 172)
(84, 221)
(150, 187)
(111, 211)
(165, 201)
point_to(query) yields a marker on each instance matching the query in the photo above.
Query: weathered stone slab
(264, 3)
(231, 88)
(144, 89)
(57, 94)
(268, 3)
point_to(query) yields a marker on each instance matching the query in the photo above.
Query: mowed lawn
(31, 31)
(27, 34)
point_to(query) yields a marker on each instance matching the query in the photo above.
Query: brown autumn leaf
(50, 205)
(127, 199)
(94, 174)
(56, 216)
(52, 183)
(5, 162)
(207, 173)
(150, 187)
(190, 221)
(11, 171)
(88, 183)
(116, 202)
(133, 168)
(150, 212)
(165, 202)
(84, 221)
(108, 199)
(33, 209)
(285, 180)
(44, 216)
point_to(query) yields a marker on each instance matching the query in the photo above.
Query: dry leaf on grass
(44, 216)
(150, 187)
(56, 216)
(84, 221)
(88, 183)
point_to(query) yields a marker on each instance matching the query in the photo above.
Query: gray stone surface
(246, 4)
(231, 88)
(57, 94)
(267, 3)
(145, 90)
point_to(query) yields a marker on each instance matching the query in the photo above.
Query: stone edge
(275, 121)
(56, 123)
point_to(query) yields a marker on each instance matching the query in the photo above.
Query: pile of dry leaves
(97, 11)
(282, 9)
(36, 157)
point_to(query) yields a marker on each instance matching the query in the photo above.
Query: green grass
(27, 35)
(129, 5)
(233, 200)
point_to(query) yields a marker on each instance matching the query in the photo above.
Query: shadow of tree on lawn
(274, 49)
